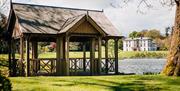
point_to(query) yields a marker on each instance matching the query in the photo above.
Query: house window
(144, 43)
(126, 44)
(140, 43)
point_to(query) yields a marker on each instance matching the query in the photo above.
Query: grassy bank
(122, 54)
(143, 54)
(97, 83)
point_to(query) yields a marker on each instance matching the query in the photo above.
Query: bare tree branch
(177, 2)
(3, 5)
(3, 22)
(146, 4)
(3, 18)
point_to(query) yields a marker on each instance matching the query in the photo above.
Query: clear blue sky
(124, 17)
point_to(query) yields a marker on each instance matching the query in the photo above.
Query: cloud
(127, 19)
(85, 4)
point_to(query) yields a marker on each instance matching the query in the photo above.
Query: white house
(139, 44)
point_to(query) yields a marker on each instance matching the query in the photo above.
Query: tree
(173, 61)
(3, 25)
(153, 34)
(143, 33)
(172, 67)
(3, 21)
(120, 43)
(3, 18)
(134, 34)
(167, 30)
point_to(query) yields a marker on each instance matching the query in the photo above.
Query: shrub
(5, 84)
(149, 55)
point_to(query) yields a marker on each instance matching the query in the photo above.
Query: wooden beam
(66, 57)
(83, 35)
(34, 50)
(113, 37)
(36, 63)
(84, 56)
(116, 55)
(27, 73)
(58, 69)
(22, 56)
(9, 56)
(14, 63)
(96, 26)
(99, 55)
(59, 56)
(106, 55)
(76, 25)
(92, 56)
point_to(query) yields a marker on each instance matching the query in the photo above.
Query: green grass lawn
(122, 54)
(97, 83)
(93, 83)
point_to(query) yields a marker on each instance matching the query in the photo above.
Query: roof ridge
(57, 7)
(76, 16)
(63, 26)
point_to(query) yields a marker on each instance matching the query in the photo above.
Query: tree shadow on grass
(114, 86)
(163, 79)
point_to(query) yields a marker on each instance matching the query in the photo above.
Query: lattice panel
(111, 65)
(43, 66)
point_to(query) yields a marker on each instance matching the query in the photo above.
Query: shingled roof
(54, 20)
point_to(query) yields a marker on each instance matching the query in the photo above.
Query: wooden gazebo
(37, 23)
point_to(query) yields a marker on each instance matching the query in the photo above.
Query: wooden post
(22, 56)
(59, 56)
(116, 55)
(36, 63)
(58, 63)
(92, 56)
(14, 63)
(27, 73)
(99, 55)
(84, 56)
(9, 57)
(66, 56)
(75, 64)
(106, 56)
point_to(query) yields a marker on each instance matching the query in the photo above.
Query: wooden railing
(43, 66)
(48, 65)
(108, 65)
(78, 64)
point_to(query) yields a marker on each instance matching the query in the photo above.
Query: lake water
(141, 66)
